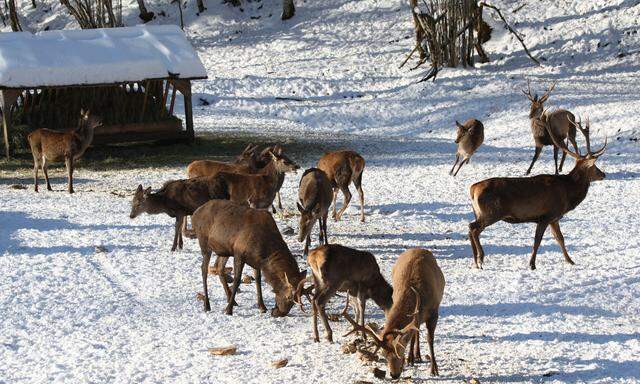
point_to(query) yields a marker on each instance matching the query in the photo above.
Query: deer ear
(300, 207)
(459, 125)
(277, 149)
(147, 191)
(139, 189)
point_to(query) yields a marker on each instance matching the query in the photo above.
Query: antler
(302, 291)
(559, 143)
(528, 91)
(357, 327)
(547, 93)
(586, 133)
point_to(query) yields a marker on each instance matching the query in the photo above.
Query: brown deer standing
(177, 198)
(418, 287)
(315, 193)
(336, 268)
(251, 237)
(560, 122)
(469, 137)
(246, 162)
(542, 199)
(343, 168)
(50, 146)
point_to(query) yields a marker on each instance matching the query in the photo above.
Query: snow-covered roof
(96, 56)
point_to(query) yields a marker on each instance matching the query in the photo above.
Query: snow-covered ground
(71, 313)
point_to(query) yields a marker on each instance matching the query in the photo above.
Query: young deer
(560, 122)
(259, 189)
(418, 287)
(49, 146)
(177, 198)
(469, 137)
(251, 237)
(343, 168)
(337, 268)
(315, 193)
(542, 199)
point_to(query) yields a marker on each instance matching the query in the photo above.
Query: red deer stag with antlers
(542, 199)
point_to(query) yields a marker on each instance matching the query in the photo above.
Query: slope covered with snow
(70, 312)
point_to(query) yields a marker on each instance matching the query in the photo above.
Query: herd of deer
(229, 204)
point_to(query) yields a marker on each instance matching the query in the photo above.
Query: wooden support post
(7, 98)
(144, 100)
(165, 94)
(188, 110)
(173, 101)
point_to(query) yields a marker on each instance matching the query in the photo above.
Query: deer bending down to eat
(177, 198)
(418, 287)
(343, 168)
(259, 189)
(251, 237)
(560, 122)
(315, 193)
(51, 146)
(338, 268)
(542, 199)
(469, 137)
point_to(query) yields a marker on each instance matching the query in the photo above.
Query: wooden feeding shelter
(127, 76)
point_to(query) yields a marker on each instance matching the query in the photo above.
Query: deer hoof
(262, 309)
(229, 310)
(570, 262)
(532, 266)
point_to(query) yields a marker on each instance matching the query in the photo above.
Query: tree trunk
(418, 29)
(288, 9)
(13, 16)
(201, 7)
(145, 15)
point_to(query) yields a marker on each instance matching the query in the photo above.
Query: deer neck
(271, 171)
(157, 204)
(381, 293)
(84, 137)
(399, 315)
(579, 186)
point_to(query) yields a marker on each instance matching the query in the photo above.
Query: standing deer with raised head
(418, 287)
(344, 168)
(560, 122)
(51, 146)
(542, 199)
(336, 268)
(251, 237)
(315, 194)
(469, 136)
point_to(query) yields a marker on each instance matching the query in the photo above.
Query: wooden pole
(144, 100)
(7, 98)
(188, 110)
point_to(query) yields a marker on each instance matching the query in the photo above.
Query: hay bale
(279, 363)
(223, 351)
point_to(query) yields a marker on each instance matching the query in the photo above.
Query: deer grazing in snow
(338, 268)
(315, 193)
(469, 137)
(51, 146)
(251, 237)
(560, 122)
(177, 198)
(344, 168)
(418, 287)
(542, 199)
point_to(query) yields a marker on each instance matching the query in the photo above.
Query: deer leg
(206, 257)
(345, 204)
(238, 265)
(258, 276)
(362, 302)
(463, 162)
(279, 201)
(321, 298)
(535, 157)
(536, 243)
(358, 184)
(316, 336)
(45, 170)
(320, 237)
(475, 228)
(411, 358)
(417, 354)
(35, 173)
(454, 164)
(335, 198)
(220, 264)
(307, 242)
(69, 163)
(431, 329)
(555, 230)
(564, 156)
(555, 158)
(324, 229)
(179, 231)
(176, 229)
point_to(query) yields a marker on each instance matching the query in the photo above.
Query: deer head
(585, 164)
(537, 104)
(308, 216)
(286, 295)
(139, 202)
(282, 163)
(460, 132)
(392, 342)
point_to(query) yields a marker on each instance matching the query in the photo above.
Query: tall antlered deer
(177, 198)
(560, 122)
(50, 146)
(542, 199)
(338, 268)
(343, 168)
(315, 194)
(418, 287)
(469, 136)
(251, 237)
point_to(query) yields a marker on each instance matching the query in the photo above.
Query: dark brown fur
(336, 268)
(344, 168)
(251, 237)
(315, 193)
